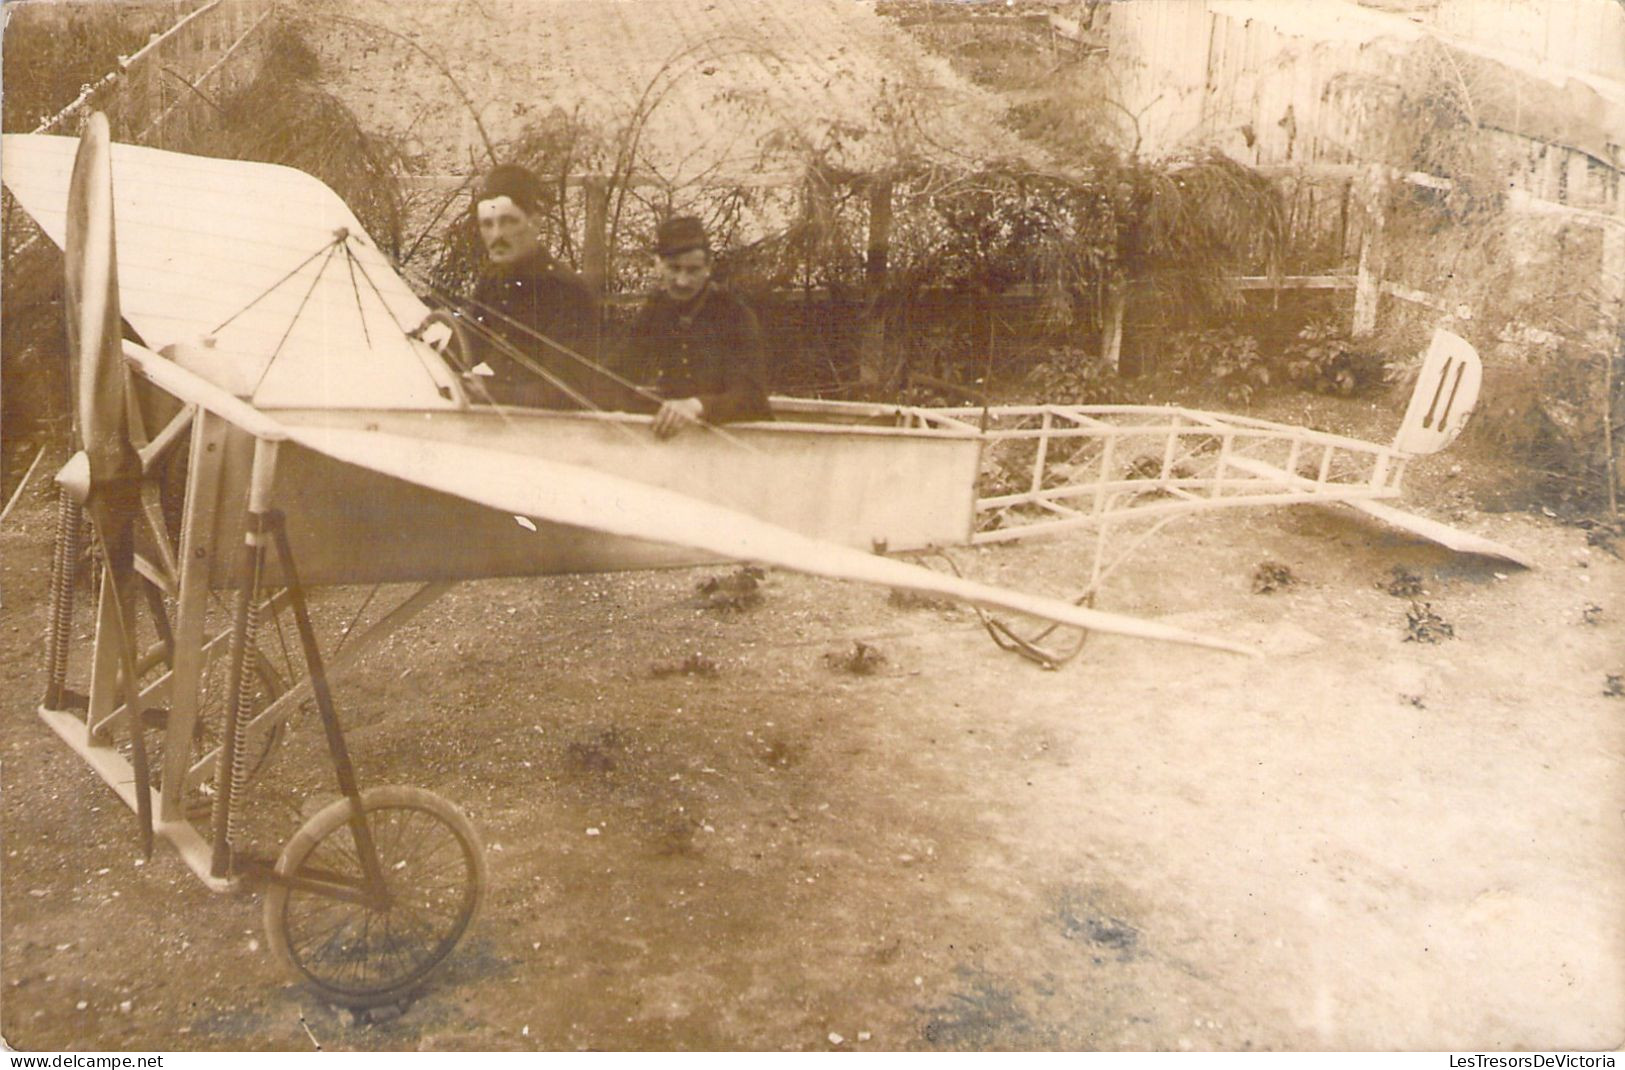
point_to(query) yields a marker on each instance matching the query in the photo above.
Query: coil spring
(232, 771)
(69, 520)
(243, 700)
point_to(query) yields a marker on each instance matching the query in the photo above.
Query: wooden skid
(115, 771)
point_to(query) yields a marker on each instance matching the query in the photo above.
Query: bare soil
(1357, 841)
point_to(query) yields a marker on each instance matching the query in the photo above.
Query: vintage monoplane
(249, 372)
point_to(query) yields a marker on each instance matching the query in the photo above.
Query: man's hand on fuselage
(677, 414)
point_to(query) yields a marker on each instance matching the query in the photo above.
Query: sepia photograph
(892, 526)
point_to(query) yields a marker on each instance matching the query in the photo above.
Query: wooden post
(872, 344)
(1367, 289)
(194, 63)
(1343, 220)
(149, 92)
(198, 551)
(595, 240)
(1368, 281)
(1111, 333)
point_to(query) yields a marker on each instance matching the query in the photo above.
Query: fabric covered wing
(568, 494)
(246, 253)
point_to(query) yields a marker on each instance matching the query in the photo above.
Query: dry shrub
(51, 51)
(1537, 306)
(285, 117)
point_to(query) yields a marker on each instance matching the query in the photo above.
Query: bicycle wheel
(364, 953)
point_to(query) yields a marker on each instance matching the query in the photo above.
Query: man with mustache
(695, 345)
(528, 309)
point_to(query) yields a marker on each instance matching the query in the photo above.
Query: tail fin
(1446, 391)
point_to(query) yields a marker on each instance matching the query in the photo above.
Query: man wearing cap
(695, 345)
(526, 307)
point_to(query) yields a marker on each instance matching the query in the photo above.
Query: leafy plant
(1324, 360)
(1226, 358)
(736, 592)
(1073, 376)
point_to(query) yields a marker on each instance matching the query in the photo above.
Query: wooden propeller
(106, 476)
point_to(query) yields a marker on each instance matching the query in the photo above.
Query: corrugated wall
(1198, 77)
(1268, 92)
(1588, 35)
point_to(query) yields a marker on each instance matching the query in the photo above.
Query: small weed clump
(1403, 583)
(734, 593)
(1422, 625)
(1271, 576)
(1604, 535)
(695, 664)
(861, 660)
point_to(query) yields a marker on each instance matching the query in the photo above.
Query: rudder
(1446, 392)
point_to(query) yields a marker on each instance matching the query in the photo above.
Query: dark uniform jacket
(708, 348)
(522, 305)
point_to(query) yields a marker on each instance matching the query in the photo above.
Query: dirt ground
(1357, 841)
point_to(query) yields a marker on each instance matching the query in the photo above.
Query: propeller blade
(95, 342)
(570, 494)
(94, 331)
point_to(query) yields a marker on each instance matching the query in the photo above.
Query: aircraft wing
(572, 495)
(251, 256)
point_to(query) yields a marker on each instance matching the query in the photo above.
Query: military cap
(514, 182)
(681, 234)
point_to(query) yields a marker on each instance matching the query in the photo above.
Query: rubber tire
(334, 818)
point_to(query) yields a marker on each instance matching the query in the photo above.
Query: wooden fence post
(151, 94)
(872, 343)
(1111, 330)
(595, 240)
(1368, 281)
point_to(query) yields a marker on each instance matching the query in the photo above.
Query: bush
(1550, 411)
(1225, 358)
(1073, 376)
(1323, 359)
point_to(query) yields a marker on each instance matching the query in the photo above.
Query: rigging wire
(357, 262)
(332, 248)
(328, 248)
(355, 288)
